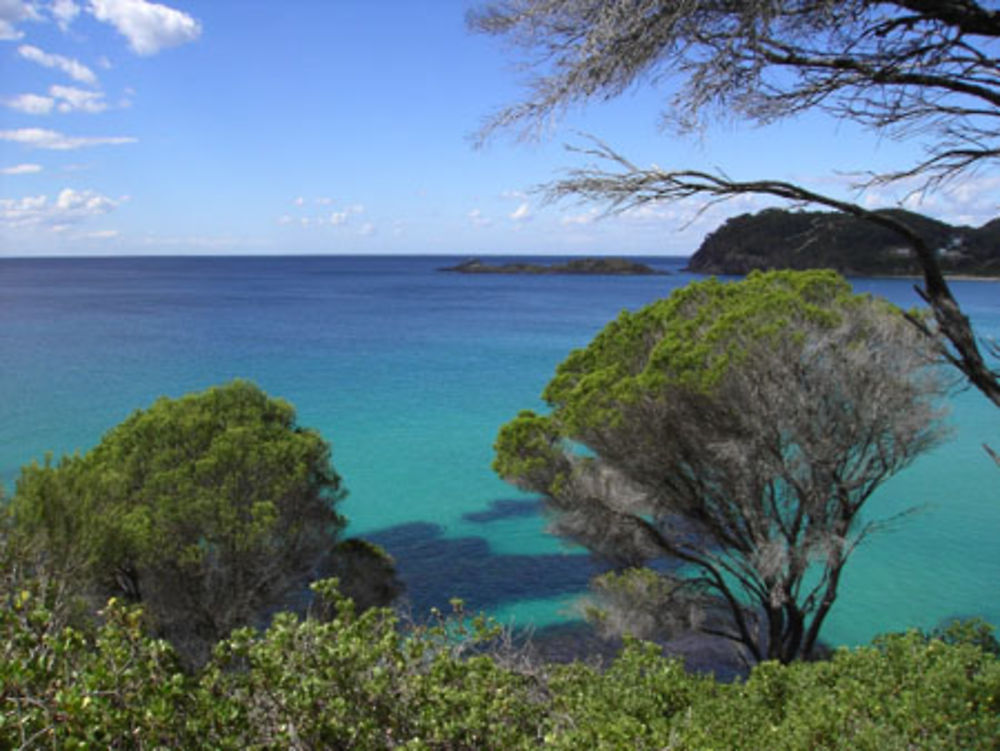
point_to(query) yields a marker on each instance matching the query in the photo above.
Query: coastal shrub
(209, 510)
(361, 681)
(67, 689)
(719, 445)
(352, 681)
(358, 681)
(904, 692)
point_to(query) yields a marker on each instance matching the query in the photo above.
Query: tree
(913, 69)
(209, 510)
(729, 436)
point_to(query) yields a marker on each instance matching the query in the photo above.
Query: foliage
(974, 631)
(737, 429)
(64, 684)
(353, 681)
(207, 509)
(359, 682)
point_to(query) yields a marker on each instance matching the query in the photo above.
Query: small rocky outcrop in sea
(593, 266)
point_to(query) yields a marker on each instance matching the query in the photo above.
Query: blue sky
(340, 126)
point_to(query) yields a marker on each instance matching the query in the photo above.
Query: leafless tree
(913, 69)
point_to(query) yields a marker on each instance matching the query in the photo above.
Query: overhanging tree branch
(627, 186)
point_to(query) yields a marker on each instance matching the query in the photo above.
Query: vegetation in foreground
(173, 511)
(356, 681)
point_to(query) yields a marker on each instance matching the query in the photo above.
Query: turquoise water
(409, 372)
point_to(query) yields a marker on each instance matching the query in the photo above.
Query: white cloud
(478, 220)
(8, 32)
(101, 234)
(49, 139)
(149, 27)
(64, 12)
(78, 100)
(84, 201)
(333, 219)
(70, 207)
(20, 212)
(62, 98)
(973, 200)
(367, 229)
(73, 68)
(522, 213)
(585, 218)
(683, 215)
(11, 13)
(340, 217)
(31, 104)
(21, 169)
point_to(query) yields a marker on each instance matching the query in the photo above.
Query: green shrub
(361, 681)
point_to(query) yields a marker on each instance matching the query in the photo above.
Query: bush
(361, 682)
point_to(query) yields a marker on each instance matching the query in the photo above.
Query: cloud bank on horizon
(134, 126)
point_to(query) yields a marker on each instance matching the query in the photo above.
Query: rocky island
(593, 266)
(783, 239)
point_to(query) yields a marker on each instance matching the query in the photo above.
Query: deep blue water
(409, 372)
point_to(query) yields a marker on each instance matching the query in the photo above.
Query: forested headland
(785, 239)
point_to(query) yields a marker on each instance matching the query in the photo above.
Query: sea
(408, 372)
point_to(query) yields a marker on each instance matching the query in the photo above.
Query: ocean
(409, 372)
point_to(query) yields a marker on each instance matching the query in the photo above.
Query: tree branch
(630, 186)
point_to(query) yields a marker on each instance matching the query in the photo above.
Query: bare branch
(907, 68)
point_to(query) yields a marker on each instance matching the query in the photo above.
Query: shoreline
(917, 277)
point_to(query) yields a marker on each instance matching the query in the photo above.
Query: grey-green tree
(209, 510)
(926, 71)
(719, 446)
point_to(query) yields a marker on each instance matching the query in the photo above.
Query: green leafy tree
(732, 432)
(208, 509)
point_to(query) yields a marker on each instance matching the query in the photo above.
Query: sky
(129, 127)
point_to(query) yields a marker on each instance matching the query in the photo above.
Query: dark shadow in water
(504, 509)
(436, 569)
